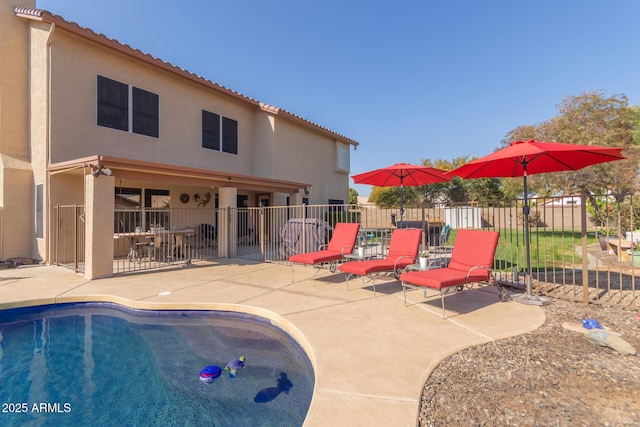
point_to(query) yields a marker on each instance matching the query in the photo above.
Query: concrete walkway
(371, 356)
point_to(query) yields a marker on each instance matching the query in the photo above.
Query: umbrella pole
(525, 214)
(528, 298)
(401, 201)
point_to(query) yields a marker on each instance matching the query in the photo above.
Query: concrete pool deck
(371, 355)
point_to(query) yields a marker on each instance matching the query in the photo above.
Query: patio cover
(160, 172)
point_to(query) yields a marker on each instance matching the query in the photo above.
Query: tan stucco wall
(14, 66)
(16, 180)
(264, 152)
(39, 118)
(18, 228)
(67, 189)
(268, 146)
(99, 226)
(75, 65)
(310, 157)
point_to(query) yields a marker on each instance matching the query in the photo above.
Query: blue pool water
(102, 365)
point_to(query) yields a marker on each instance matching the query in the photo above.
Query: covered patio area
(138, 211)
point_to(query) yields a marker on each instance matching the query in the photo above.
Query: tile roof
(87, 33)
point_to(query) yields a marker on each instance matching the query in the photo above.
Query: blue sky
(408, 80)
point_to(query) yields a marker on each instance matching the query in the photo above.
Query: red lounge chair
(471, 261)
(342, 242)
(403, 251)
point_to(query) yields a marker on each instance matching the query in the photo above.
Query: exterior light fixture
(100, 170)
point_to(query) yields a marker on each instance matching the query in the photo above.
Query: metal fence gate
(69, 237)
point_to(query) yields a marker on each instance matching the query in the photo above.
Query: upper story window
(219, 133)
(127, 108)
(342, 164)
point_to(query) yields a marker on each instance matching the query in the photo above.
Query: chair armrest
(343, 252)
(395, 264)
(482, 267)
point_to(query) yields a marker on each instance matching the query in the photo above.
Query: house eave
(159, 172)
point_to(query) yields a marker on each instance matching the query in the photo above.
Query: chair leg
(444, 315)
(503, 295)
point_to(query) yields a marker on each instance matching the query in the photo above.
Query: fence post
(75, 238)
(304, 228)
(585, 252)
(57, 210)
(261, 230)
(230, 250)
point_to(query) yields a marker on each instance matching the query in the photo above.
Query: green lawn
(549, 248)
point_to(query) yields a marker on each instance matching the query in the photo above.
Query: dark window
(143, 209)
(157, 206)
(219, 133)
(128, 202)
(210, 130)
(128, 198)
(156, 198)
(113, 104)
(305, 201)
(145, 113)
(242, 201)
(338, 202)
(229, 135)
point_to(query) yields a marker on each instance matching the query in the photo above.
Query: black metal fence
(582, 248)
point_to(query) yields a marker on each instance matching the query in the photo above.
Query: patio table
(356, 256)
(136, 239)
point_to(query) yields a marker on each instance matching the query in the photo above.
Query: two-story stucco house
(84, 118)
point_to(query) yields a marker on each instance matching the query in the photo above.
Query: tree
(461, 191)
(590, 119)
(489, 189)
(390, 196)
(353, 196)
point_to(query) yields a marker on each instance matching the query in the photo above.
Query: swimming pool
(102, 364)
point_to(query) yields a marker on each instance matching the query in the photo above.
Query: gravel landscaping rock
(550, 377)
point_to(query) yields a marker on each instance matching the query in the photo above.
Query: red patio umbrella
(399, 175)
(522, 158)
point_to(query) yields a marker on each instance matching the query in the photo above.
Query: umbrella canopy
(401, 174)
(522, 158)
(530, 157)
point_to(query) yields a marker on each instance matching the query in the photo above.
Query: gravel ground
(549, 377)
